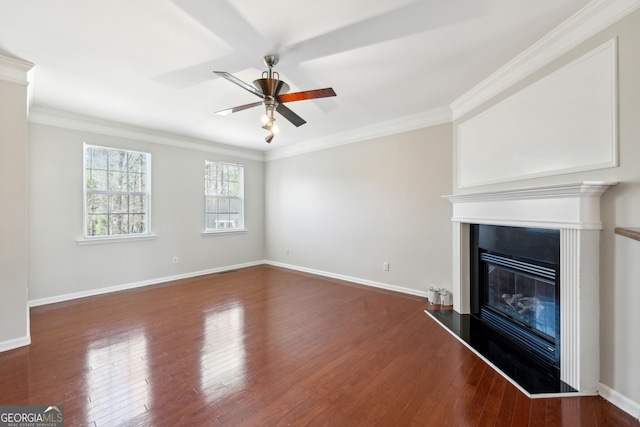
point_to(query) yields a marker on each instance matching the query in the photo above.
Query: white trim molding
(224, 232)
(15, 70)
(621, 401)
(572, 206)
(116, 288)
(15, 343)
(115, 239)
(125, 286)
(590, 20)
(351, 279)
(404, 124)
(66, 120)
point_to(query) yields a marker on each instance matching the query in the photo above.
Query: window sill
(115, 239)
(217, 232)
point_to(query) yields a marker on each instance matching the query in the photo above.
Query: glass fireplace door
(522, 292)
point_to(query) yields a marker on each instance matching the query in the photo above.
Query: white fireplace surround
(574, 209)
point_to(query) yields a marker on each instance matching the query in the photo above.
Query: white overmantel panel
(565, 206)
(571, 113)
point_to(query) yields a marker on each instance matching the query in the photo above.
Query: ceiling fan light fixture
(269, 138)
(268, 116)
(271, 126)
(273, 93)
(267, 121)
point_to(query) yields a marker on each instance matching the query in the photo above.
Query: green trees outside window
(116, 185)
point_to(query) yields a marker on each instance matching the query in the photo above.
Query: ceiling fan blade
(308, 94)
(240, 83)
(239, 108)
(290, 115)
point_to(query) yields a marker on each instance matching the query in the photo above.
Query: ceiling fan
(273, 92)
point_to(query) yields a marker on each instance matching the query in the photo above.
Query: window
(116, 192)
(224, 201)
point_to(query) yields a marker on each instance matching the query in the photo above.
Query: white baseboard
(621, 401)
(100, 291)
(350, 279)
(14, 343)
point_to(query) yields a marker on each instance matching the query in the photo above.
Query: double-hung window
(116, 192)
(224, 196)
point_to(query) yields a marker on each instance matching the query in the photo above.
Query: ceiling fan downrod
(270, 102)
(270, 61)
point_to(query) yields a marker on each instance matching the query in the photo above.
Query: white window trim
(224, 231)
(211, 232)
(92, 240)
(115, 239)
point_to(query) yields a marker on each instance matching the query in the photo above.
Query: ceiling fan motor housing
(271, 87)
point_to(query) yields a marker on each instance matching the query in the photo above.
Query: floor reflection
(117, 379)
(223, 357)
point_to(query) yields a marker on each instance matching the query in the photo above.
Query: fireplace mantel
(574, 209)
(571, 206)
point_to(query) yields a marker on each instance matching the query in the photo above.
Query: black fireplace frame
(536, 246)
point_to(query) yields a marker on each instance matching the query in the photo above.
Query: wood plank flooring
(265, 346)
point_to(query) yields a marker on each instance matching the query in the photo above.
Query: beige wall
(619, 256)
(14, 321)
(59, 266)
(348, 209)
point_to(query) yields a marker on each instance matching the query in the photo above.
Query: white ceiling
(149, 63)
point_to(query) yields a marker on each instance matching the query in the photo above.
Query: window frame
(241, 199)
(107, 238)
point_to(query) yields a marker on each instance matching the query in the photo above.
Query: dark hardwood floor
(265, 346)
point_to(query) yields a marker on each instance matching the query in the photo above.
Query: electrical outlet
(286, 251)
(385, 266)
(175, 260)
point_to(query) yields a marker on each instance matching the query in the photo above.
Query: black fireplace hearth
(535, 378)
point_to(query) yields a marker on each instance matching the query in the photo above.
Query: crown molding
(404, 124)
(587, 22)
(14, 70)
(68, 120)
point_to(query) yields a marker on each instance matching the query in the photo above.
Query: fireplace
(570, 211)
(515, 288)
